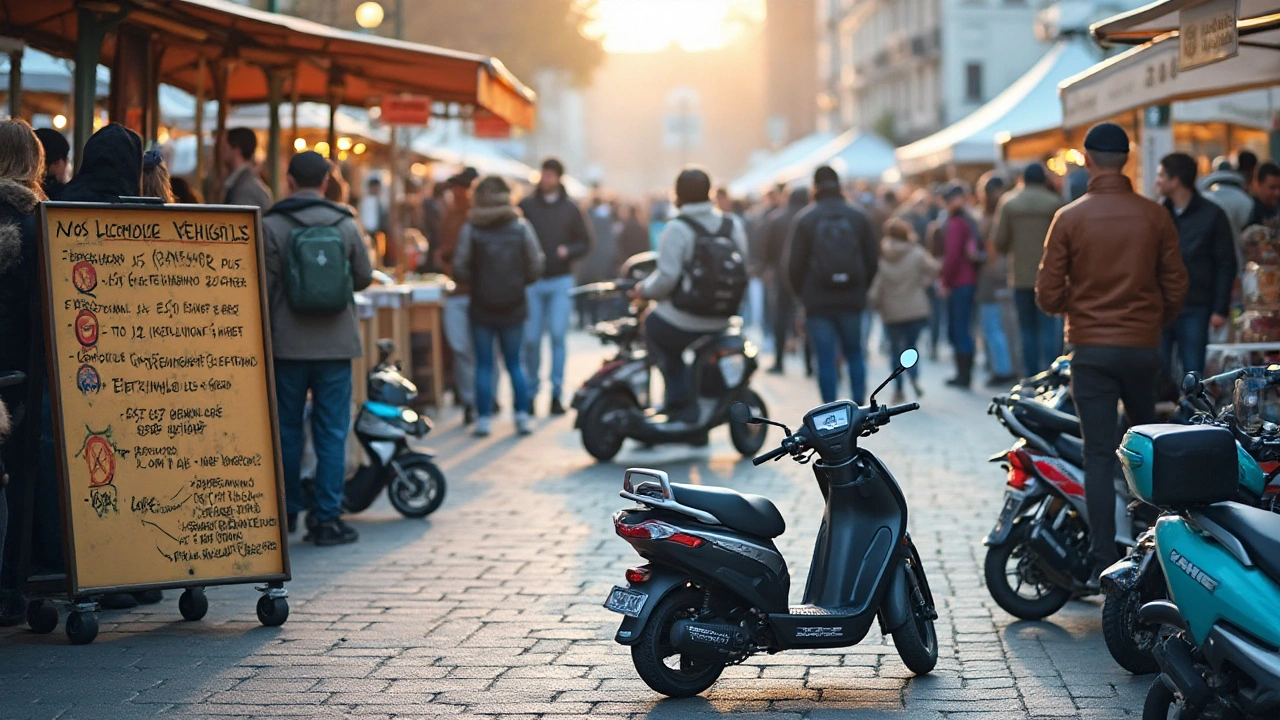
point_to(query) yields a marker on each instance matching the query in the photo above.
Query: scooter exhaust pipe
(1179, 675)
(714, 641)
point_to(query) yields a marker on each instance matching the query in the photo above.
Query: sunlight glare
(640, 26)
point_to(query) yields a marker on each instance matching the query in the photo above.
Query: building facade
(908, 68)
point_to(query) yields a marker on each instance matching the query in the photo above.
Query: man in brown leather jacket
(1113, 266)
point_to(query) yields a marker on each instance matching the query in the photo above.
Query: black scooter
(615, 403)
(714, 591)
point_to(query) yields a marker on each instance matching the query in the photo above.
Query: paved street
(492, 607)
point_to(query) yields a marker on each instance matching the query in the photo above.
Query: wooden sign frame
(51, 345)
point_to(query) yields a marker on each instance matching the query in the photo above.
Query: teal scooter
(1218, 653)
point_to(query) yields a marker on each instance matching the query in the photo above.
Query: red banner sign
(406, 111)
(490, 127)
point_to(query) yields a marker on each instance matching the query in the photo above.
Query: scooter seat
(1041, 416)
(1257, 530)
(1071, 449)
(751, 514)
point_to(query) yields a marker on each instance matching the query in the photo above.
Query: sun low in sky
(639, 26)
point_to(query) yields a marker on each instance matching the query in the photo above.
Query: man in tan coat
(1113, 266)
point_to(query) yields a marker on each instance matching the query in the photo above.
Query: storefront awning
(1149, 75)
(1161, 18)
(1029, 105)
(324, 63)
(764, 173)
(854, 155)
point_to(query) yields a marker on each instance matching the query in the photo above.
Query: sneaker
(468, 415)
(524, 423)
(482, 427)
(333, 532)
(557, 407)
(293, 522)
(776, 370)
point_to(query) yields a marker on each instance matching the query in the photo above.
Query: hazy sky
(637, 26)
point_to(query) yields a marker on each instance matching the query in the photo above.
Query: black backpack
(835, 262)
(716, 278)
(498, 271)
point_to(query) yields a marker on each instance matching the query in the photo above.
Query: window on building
(973, 82)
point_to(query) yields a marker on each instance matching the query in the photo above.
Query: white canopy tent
(1162, 18)
(1028, 105)
(765, 172)
(854, 155)
(447, 144)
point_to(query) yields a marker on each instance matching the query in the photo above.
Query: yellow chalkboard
(164, 415)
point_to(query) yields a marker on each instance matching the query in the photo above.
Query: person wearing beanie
(832, 257)
(1113, 266)
(313, 350)
(1021, 225)
(57, 161)
(566, 238)
(674, 325)
(498, 255)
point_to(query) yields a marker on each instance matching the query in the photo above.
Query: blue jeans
(549, 311)
(960, 320)
(1041, 333)
(838, 333)
(937, 319)
(329, 382)
(1190, 332)
(902, 336)
(994, 340)
(509, 337)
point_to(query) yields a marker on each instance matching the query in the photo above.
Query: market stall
(764, 173)
(854, 155)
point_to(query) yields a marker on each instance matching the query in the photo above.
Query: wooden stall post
(15, 77)
(202, 67)
(93, 27)
(275, 85)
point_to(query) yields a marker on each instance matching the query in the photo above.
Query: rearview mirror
(1190, 383)
(909, 358)
(740, 413)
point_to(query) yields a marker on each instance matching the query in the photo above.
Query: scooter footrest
(815, 611)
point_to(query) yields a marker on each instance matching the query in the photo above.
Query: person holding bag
(498, 255)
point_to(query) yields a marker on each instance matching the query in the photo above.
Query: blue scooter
(1221, 561)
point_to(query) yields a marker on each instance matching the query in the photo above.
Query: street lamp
(369, 15)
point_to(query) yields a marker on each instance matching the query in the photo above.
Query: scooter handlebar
(899, 410)
(773, 454)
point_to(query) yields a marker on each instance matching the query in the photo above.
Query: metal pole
(275, 84)
(15, 82)
(399, 19)
(273, 6)
(201, 69)
(93, 29)
(293, 103)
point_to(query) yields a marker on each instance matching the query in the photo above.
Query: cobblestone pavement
(491, 608)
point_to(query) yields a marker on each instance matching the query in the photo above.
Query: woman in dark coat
(21, 172)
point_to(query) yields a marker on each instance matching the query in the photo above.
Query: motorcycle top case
(1180, 465)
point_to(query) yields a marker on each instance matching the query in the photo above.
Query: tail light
(1021, 468)
(635, 576)
(657, 530)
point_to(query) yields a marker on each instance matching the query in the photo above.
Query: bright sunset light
(637, 26)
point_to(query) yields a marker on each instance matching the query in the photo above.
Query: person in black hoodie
(832, 257)
(1208, 251)
(778, 227)
(21, 170)
(565, 237)
(57, 154)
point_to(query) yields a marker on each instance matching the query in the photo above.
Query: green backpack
(318, 281)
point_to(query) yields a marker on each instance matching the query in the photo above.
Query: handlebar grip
(890, 412)
(771, 455)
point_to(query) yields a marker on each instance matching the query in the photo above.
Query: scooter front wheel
(1016, 583)
(917, 640)
(602, 439)
(748, 439)
(1160, 701)
(417, 490)
(659, 664)
(1130, 640)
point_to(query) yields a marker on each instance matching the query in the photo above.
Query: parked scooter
(1138, 579)
(616, 403)
(1038, 553)
(384, 427)
(1051, 387)
(1221, 563)
(714, 590)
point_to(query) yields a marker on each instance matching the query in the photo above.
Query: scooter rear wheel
(421, 491)
(604, 440)
(1160, 700)
(660, 666)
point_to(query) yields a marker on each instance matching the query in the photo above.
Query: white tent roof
(854, 155)
(446, 143)
(1161, 17)
(1149, 75)
(1028, 105)
(765, 172)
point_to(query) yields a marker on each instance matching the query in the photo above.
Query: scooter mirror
(1190, 384)
(740, 413)
(909, 358)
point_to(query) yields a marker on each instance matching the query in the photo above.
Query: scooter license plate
(1012, 504)
(627, 602)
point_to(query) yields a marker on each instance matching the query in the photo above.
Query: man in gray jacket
(668, 329)
(313, 351)
(242, 186)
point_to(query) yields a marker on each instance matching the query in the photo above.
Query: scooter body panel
(1210, 586)
(660, 584)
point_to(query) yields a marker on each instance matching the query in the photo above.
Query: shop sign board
(159, 353)
(405, 111)
(1207, 33)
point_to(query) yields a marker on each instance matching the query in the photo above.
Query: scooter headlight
(732, 368)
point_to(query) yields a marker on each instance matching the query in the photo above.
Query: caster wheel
(42, 616)
(193, 604)
(82, 628)
(273, 611)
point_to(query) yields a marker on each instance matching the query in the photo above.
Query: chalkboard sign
(163, 396)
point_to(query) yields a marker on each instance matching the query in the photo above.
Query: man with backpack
(316, 257)
(699, 284)
(833, 254)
